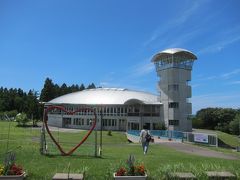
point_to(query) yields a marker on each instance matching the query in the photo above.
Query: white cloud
(221, 44)
(196, 85)
(175, 22)
(187, 13)
(223, 76)
(143, 69)
(230, 74)
(235, 82)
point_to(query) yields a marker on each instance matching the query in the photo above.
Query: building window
(173, 87)
(173, 105)
(109, 122)
(114, 122)
(173, 122)
(78, 121)
(105, 122)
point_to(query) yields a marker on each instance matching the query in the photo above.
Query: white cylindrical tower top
(174, 58)
(181, 54)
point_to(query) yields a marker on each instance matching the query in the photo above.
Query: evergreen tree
(48, 92)
(82, 87)
(91, 86)
(64, 89)
(33, 105)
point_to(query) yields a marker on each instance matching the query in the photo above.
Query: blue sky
(111, 44)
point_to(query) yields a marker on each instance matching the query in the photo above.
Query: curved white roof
(106, 96)
(176, 52)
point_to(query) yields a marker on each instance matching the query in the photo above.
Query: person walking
(145, 138)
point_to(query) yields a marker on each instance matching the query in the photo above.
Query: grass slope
(159, 161)
(228, 139)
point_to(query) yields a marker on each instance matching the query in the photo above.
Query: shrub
(22, 119)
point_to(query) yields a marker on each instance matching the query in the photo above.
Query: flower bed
(131, 170)
(10, 170)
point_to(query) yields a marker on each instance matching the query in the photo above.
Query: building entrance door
(122, 124)
(66, 122)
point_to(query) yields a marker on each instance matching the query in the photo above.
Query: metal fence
(192, 137)
(164, 134)
(201, 138)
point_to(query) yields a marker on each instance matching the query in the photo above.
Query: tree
(215, 118)
(48, 92)
(82, 87)
(33, 106)
(207, 118)
(234, 126)
(91, 86)
(64, 89)
(74, 88)
(197, 122)
(224, 117)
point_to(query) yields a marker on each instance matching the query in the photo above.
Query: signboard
(203, 138)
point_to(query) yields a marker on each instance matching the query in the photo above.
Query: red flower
(15, 170)
(140, 170)
(121, 172)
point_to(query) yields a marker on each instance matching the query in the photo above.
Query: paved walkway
(196, 150)
(52, 128)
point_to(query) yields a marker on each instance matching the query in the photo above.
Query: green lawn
(116, 149)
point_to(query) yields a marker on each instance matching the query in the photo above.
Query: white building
(123, 109)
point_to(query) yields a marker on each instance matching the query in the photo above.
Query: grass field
(159, 161)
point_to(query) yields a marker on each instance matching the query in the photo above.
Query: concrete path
(196, 150)
(52, 128)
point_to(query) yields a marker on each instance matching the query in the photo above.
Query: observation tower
(174, 68)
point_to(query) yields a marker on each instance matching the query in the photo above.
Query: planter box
(129, 177)
(13, 177)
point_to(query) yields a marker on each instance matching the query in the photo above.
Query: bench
(183, 175)
(222, 175)
(62, 176)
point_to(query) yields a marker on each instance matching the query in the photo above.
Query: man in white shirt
(143, 140)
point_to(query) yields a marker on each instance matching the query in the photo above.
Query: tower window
(173, 122)
(173, 87)
(173, 105)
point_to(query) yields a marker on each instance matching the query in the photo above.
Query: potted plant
(131, 170)
(10, 170)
